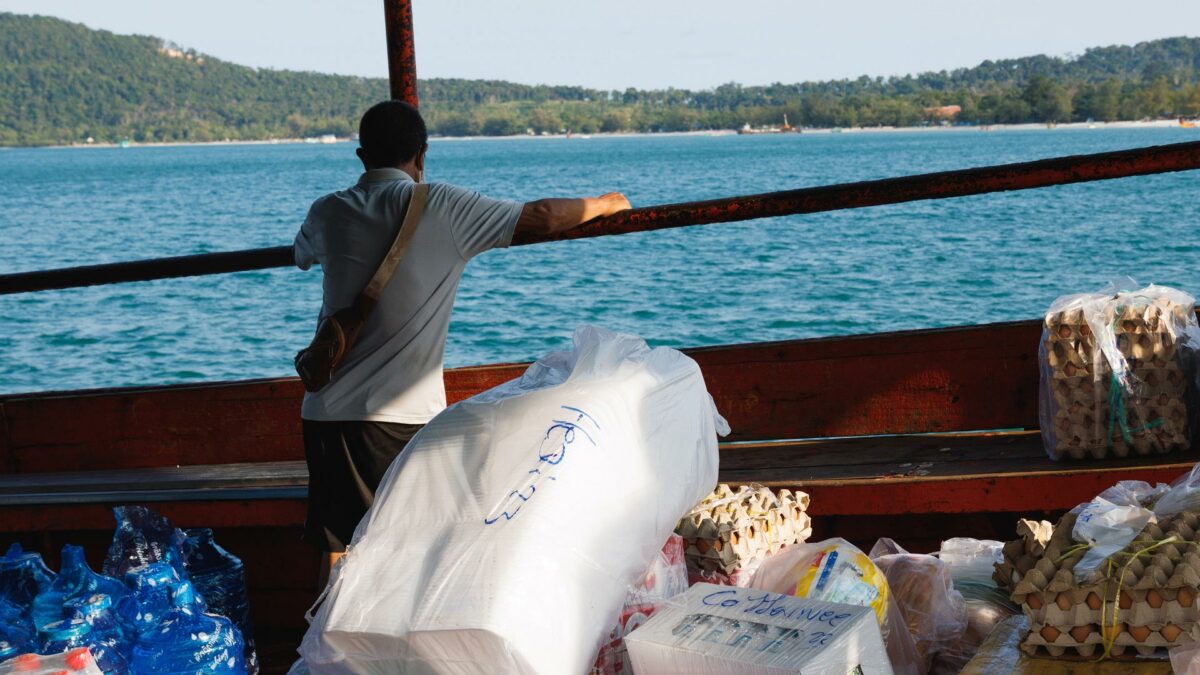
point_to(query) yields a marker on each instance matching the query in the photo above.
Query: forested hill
(62, 82)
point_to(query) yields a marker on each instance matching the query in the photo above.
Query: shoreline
(1132, 124)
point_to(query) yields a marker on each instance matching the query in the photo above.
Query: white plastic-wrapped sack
(504, 538)
(1118, 373)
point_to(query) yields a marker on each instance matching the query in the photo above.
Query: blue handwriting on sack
(552, 449)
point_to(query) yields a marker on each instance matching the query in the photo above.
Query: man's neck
(410, 168)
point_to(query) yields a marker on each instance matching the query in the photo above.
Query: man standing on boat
(390, 383)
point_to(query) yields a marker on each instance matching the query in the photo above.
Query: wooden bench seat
(862, 476)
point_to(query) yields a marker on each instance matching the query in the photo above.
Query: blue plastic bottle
(108, 630)
(74, 580)
(188, 640)
(220, 578)
(16, 628)
(60, 636)
(143, 537)
(152, 586)
(23, 575)
(68, 634)
(9, 650)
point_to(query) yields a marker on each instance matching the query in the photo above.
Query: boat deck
(879, 475)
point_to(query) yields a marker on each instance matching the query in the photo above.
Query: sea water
(925, 264)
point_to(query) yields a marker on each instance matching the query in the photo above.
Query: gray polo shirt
(394, 371)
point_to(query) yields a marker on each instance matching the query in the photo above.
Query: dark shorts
(346, 461)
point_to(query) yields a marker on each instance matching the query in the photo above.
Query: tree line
(61, 82)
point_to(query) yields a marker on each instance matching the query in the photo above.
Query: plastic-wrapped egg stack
(1142, 406)
(1141, 608)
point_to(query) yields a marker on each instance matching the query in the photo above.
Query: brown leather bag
(336, 334)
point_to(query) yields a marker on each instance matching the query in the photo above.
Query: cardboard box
(721, 629)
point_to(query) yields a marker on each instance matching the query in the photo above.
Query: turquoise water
(925, 264)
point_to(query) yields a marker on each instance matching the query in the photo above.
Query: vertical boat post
(402, 54)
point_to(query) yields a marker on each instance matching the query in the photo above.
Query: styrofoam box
(723, 629)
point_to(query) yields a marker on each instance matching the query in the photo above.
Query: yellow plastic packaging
(841, 573)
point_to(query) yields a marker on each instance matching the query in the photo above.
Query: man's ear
(362, 156)
(420, 159)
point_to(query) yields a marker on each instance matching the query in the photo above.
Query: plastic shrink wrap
(504, 538)
(715, 630)
(1118, 373)
(666, 577)
(835, 570)
(74, 662)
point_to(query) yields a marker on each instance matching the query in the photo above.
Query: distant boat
(1189, 124)
(328, 138)
(124, 144)
(785, 129)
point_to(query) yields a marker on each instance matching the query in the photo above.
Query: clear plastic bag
(1185, 659)
(666, 577)
(1118, 373)
(835, 570)
(971, 563)
(1111, 520)
(76, 661)
(933, 611)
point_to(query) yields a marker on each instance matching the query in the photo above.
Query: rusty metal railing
(941, 185)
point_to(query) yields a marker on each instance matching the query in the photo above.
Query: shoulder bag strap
(412, 217)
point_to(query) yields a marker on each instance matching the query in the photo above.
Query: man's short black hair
(391, 133)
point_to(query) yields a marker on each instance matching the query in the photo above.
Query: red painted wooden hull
(917, 489)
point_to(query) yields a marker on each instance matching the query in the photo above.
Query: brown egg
(1050, 633)
(1186, 597)
(1126, 600)
(1064, 601)
(1094, 601)
(1139, 633)
(1154, 598)
(1081, 633)
(1171, 632)
(1034, 601)
(1111, 632)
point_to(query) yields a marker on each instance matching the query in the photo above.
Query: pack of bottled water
(168, 602)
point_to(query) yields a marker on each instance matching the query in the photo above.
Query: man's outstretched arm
(547, 216)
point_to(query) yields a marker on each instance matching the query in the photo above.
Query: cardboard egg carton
(734, 529)
(1022, 554)
(1142, 604)
(1084, 419)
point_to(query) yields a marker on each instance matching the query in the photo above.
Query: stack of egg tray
(1020, 555)
(733, 530)
(1087, 419)
(1154, 597)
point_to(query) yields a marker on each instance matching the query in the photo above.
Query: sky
(614, 44)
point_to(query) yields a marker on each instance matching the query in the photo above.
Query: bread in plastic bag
(835, 570)
(1118, 373)
(505, 536)
(933, 611)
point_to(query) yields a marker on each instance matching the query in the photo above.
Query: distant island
(63, 83)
